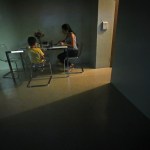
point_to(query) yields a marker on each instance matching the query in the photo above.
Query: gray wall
(93, 31)
(8, 30)
(20, 19)
(131, 63)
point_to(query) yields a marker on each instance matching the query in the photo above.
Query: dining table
(20, 51)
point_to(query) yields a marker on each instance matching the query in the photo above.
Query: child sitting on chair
(35, 53)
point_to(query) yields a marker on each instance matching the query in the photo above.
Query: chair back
(3, 49)
(26, 57)
(80, 48)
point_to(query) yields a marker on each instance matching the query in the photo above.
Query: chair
(38, 69)
(75, 61)
(3, 49)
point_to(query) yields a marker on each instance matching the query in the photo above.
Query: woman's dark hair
(31, 40)
(67, 27)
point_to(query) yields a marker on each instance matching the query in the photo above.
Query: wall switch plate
(104, 25)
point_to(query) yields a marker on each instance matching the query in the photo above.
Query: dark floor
(98, 119)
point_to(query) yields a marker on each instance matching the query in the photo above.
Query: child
(35, 53)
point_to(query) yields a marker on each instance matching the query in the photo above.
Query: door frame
(114, 31)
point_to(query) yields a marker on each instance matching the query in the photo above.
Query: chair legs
(76, 61)
(40, 85)
(8, 73)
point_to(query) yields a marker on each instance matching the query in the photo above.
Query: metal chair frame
(75, 60)
(38, 68)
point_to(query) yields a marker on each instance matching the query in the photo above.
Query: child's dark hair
(31, 40)
(67, 27)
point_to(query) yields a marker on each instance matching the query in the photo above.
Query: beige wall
(106, 9)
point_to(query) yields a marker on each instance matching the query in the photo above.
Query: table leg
(67, 63)
(22, 62)
(10, 67)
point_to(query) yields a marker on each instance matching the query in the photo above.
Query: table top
(56, 47)
(21, 50)
(15, 51)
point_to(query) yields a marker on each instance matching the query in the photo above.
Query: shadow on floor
(8, 83)
(101, 118)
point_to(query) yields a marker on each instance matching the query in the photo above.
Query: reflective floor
(83, 111)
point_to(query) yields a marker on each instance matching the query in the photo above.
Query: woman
(69, 41)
